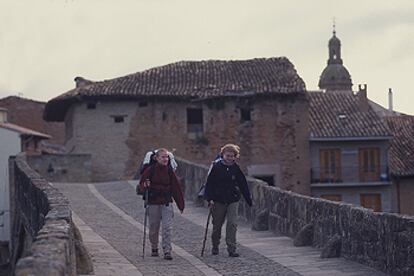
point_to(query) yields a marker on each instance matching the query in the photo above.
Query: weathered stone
(261, 221)
(44, 239)
(332, 248)
(305, 236)
(84, 263)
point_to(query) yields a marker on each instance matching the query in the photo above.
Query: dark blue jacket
(226, 183)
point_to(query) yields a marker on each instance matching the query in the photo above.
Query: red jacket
(162, 183)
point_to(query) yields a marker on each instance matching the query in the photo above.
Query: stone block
(332, 249)
(305, 236)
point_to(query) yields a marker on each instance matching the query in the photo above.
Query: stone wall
(43, 238)
(275, 138)
(383, 241)
(62, 167)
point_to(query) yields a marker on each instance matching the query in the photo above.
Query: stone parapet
(43, 239)
(383, 241)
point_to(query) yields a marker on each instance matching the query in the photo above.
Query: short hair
(158, 151)
(232, 148)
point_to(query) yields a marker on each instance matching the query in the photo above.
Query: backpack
(202, 191)
(149, 160)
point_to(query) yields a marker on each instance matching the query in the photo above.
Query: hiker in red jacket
(163, 186)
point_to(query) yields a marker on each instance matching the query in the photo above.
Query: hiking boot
(234, 254)
(154, 253)
(215, 251)
(167, 256)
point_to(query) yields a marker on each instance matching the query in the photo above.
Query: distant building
(335, 76)
(402, 160)
(349, 141)
(29, 114)
(349, 146)
(13, 139)
(194, 107)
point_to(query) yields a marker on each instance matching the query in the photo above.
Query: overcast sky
(45, 44)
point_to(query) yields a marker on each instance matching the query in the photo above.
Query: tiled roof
(342, 115)
(401, 154)
(28, 113)
(191, 80)
(23, 130)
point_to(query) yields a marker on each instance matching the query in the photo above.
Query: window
(91, 105)
(332, 197)
(194, 120)
(330, 165)
(267, 178)
(119, 118)
(143, 104)
(369, 164)
(245, 115)
(371, 201)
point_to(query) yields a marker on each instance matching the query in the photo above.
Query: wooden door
(369, 164)
(330, 165)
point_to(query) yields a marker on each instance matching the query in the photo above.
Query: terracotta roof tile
(401, 154)
(191, 80)
(340, 115)
(23, 130)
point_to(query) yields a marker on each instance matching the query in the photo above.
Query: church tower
(335, 77)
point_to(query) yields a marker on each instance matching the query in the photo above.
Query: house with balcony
(349, 145)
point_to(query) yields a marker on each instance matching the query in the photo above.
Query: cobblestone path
(115, 213)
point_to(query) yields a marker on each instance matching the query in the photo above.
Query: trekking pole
(145, 221)
(205, 233)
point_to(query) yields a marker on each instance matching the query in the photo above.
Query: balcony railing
(348, 174)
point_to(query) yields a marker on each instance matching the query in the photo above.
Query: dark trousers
(220, 213)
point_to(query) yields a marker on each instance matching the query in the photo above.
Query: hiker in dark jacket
(225, 185)
(163, 187)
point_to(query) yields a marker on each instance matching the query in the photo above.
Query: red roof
(189, 80)
(402, 145)
(24, 131)
(339, 115)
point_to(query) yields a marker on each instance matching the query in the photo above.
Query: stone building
(193, 107)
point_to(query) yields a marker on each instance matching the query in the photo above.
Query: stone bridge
(291, 233)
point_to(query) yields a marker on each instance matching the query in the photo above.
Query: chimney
(362, 97)
(82, 82)
(3, 115)
(390, 107)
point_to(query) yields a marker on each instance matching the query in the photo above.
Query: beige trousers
(160, 215)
